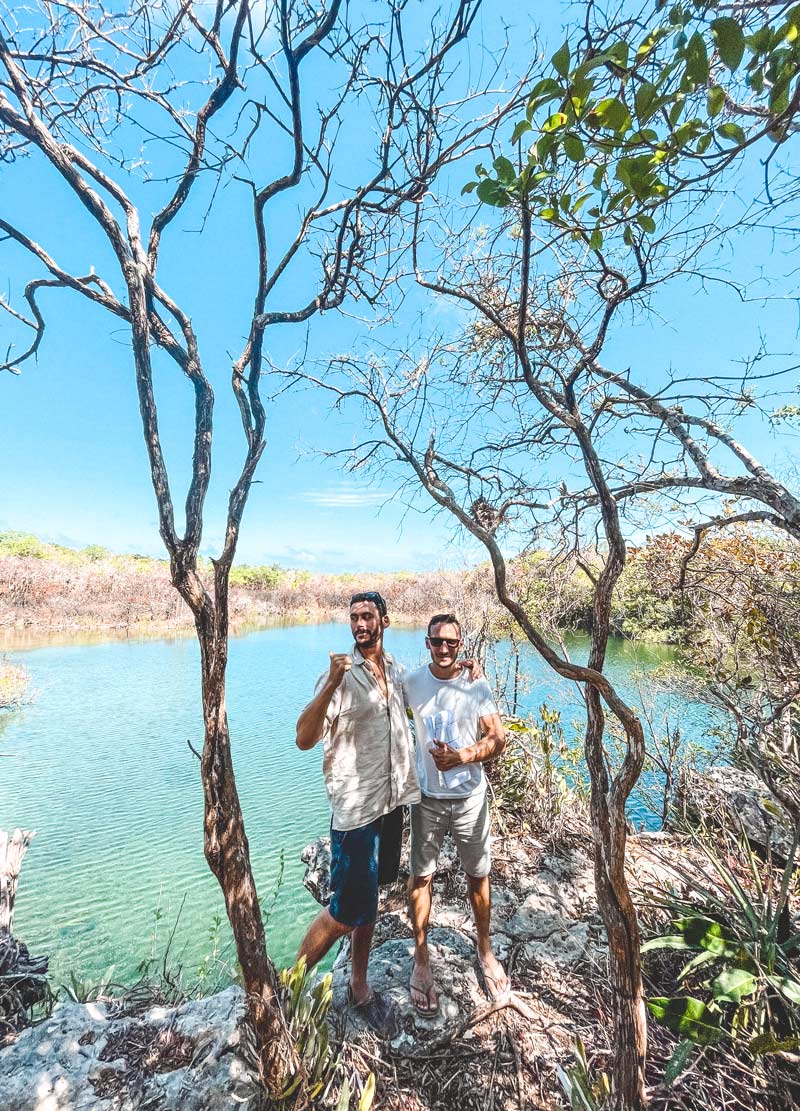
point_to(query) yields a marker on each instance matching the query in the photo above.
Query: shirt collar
(359, 659)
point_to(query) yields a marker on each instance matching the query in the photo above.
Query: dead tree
(23, 978)
(223, 88)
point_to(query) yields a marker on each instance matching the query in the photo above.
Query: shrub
(13, 685)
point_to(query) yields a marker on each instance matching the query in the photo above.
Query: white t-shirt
(448, 709)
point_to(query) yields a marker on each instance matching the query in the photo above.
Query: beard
(370, 640)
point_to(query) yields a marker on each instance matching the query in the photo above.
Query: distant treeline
(47, 586)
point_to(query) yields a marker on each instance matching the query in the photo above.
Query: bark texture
(23, 978)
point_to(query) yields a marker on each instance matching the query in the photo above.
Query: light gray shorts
(467, 822)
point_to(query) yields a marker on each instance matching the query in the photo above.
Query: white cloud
(345, 497)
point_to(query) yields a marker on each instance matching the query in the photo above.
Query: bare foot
(424, 996)
(494, 978)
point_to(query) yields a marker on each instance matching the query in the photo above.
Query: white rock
(48, 1069)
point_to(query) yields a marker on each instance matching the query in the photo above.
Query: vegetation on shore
(51, 587)
(14, 682)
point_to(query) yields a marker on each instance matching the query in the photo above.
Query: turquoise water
(98, 764)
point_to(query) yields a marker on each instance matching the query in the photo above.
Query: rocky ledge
(735, 800)
(545, 928)
(84, 1058)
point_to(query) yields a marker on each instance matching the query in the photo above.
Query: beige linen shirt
(368, 760)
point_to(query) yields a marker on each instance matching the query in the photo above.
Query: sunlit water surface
(98, 764)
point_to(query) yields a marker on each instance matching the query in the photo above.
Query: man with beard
(358, 712)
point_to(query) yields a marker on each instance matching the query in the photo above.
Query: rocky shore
(473, 1054)
(99, 1057)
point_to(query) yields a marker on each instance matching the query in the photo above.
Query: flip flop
(431, 1005)
(495, 987)
(379, 1013)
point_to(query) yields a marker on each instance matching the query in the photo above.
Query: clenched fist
(340, 663)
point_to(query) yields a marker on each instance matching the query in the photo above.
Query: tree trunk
(620, 920)
(23, 978)
(228, 854)
(12, 850)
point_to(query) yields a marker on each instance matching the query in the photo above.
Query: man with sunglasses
(457, 726)
(358, 712)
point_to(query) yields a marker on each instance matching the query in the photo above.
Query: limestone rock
(737, 799)
(317, 859)
(84, 1059)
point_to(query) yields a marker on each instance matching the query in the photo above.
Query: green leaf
(646, 101)
(548, 86)
(779, 96)
(614, 114)
(368, 1095)
(468, 188)
(596, 240)
(732, 131)
(493, 193)
(697, 59)
(618, 53)
(645, 222)
(733, 984)
(679, 1060)
(574, 148)
(653, 39)
(343, 1102)
(687, 1016)
(560, 60)
(505, 170)
(554, 122)
(705, 933)
(668, 941)
(519, 130)
(697, 962)
(716, 100)
(729, 38)
(787, 986)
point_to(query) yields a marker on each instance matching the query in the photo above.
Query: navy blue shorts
(360, 860)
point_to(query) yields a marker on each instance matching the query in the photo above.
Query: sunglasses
(437, 642)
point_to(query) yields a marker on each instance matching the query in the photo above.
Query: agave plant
(306, 1002)
(746, 958)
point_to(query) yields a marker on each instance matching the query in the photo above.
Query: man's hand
(445, 757)
(474, 668)
(340, 664)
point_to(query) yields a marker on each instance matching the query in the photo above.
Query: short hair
(444, 619)
(371, 596)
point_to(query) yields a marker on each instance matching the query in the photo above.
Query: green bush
(22, 544)
(264, 577)
(745, 962)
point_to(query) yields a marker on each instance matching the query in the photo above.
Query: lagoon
(98, 764)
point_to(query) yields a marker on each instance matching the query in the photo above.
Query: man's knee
(419, 883)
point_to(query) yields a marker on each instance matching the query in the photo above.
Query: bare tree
(519, 429)
(220, 90)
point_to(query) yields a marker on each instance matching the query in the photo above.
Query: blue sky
(74, 464)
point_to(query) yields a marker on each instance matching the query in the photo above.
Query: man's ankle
(422, 957)
(360, 990)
